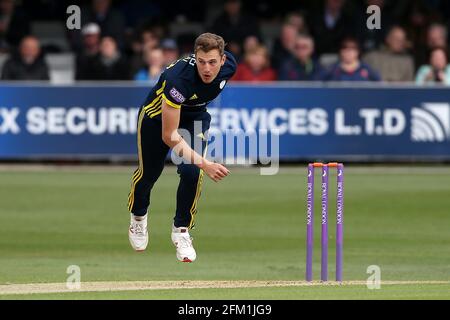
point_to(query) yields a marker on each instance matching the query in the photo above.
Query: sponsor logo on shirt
(177, 96)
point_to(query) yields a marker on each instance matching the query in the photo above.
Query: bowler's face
(209, 64)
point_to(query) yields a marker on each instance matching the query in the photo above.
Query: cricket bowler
(178, 100)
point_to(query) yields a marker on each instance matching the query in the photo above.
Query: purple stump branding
(324, 268)
(310, 222)
(339, 221)
(324, 220)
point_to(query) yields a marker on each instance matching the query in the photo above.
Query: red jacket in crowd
(244, 73)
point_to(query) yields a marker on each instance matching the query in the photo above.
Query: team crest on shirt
(222, 84)
(177, 96)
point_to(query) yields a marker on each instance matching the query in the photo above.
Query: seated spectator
(392, 61)
(298, 20)
(154, 59)
(145, 37)
(150, 37)
(14, 25)
(301, 66)
(283, 47)
(170, 51)
(109, 64)
(438, 71)
(91, 39)
(234, 26)
(91, 47)
(28, 64)
(416, 16)
(250, 43)
(256, 67)
(350, 67)
(111, 21)
(436, 37)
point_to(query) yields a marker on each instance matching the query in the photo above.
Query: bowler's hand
(215, 171)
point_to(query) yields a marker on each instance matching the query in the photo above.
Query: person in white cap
(91, 39)
(91, 34)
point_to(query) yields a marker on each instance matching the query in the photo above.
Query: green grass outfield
(249, 227)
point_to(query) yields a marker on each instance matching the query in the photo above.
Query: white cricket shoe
(137, 234)
(183, 242)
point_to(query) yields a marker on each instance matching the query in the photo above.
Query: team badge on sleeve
(177, 96)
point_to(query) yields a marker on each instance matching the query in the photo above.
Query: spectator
(392, 61)
(91, 39)
(28, 64)
(91, 47)
(109, 64)
(150, 37)
(170, 51)
(330, 26)
(283, 47)
(256, 67)
(250, 43)
(234, 26)
(14, 25)
(436, 37)
(142, 38)
(111, 21)
(438, 71)
(417, 16)
(154, 59)
(350, 67)
(298, 20)
(302, 66)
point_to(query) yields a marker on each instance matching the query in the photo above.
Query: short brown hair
(350, 42)
(262, 50)
(209, 41)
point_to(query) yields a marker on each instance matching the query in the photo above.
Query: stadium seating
(62, 67)
(3, 58)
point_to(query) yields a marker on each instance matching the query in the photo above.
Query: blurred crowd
(324, 40)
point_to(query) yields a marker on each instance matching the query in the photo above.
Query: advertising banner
(320, 122)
